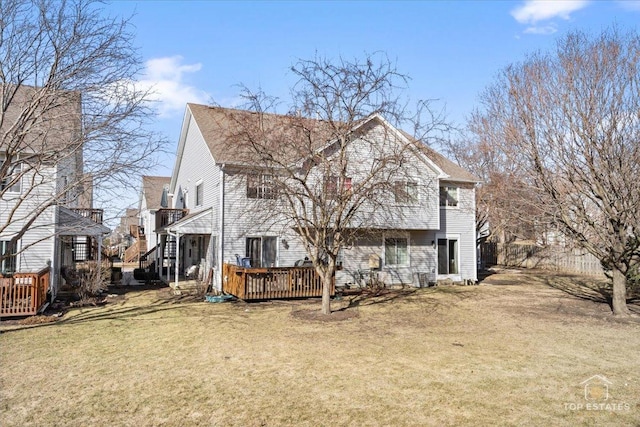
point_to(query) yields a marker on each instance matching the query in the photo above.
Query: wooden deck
(272, 283)
(23, 294)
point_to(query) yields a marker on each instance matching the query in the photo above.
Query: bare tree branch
(335, 163)
(73, 124)
(568, 121)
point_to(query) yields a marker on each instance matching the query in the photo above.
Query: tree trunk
(327, 279)
(619, 294)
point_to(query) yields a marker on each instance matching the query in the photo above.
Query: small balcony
(93, 214)
(166, 217)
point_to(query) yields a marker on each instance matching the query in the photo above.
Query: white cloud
(164, 78)
(545, 30)
(533, 11)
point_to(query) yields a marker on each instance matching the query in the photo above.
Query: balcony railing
(166, 217)
(93, 214)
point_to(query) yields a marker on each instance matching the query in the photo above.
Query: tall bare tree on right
(570, 120)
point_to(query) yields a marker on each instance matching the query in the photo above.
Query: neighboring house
(154, 195)
(46, 214)
(432, 237)
(124, 235)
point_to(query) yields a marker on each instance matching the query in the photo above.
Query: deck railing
(24, 293)
(272, 283)
(166, 217)
(93, 214)
(135, 251)
(136, 231)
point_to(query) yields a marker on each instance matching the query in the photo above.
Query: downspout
(221, 228)
(54, 263)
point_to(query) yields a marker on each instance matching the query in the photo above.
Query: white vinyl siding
(460, 223)
(198, 167)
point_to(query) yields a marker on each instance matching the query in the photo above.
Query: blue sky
(198, 51)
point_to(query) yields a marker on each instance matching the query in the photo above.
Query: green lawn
(513, 351)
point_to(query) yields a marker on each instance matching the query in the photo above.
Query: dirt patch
(317, 316)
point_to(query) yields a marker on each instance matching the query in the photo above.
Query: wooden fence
(24, 293)
(555, 258)
(272, 283)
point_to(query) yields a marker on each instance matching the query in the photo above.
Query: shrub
(92, 280)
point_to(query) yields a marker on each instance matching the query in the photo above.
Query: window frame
(406, 193)
(261, 186)
(199, 193)
(263, 250)
(445, 202)
(332, 182)
(14, 169)
(12, 261)
(396, 238)
(449, 239)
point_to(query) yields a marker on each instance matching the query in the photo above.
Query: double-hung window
(448, 196)
(261, 186)
(335, 186)
(396, 251)
(12, 181)
(406, 192)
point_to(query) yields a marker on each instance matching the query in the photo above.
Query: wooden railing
(135, 251)
(136, 231)
(166, 217)
(272, 283)
(24, 293)
(93, 214)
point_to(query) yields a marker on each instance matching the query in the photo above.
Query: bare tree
(68, 100)
(334, 162)
(569, 122)
(501, 214)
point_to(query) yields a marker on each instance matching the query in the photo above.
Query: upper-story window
(406, 192)
(333, 188)
(261, 186)
(14, 173)
(448, 196)
(199, 194)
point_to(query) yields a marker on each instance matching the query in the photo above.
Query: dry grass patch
(508, 354)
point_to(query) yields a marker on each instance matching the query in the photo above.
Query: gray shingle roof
(55, 125)
(223, 128)
(152, 188)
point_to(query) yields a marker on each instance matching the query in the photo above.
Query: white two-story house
(46, 217)
(426, 234)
